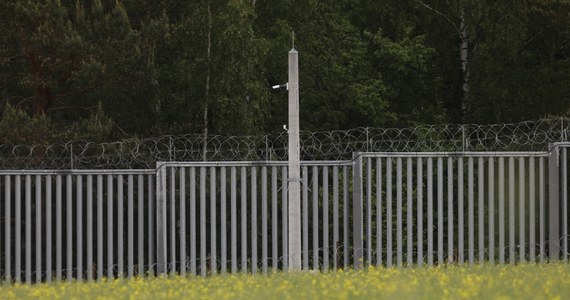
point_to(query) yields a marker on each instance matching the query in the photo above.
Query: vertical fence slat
(89, 237)
(284, 211)
(368, 210)
(28, 224)
(69, 210)
(243, 219)
(213, 229)
(399, 236)
(193, 221)
(161, 221)
(79, 251)
(501, 210)
(39, 229)
(409, 211)
(315, 187)
(254, 220)
(379, 211)
(440, 211)
(389, 212)
(8, 229)
(130, 227)
(542, 211)
(450, 212)
(58, 221)
(326, 219)
(3, 273)
(151, 238)
(471, 211)
(420, 209)
(49, 244)
(172, 265)
(264, 240)
(430, 211)
(274, 217)
(140, 225)
(120, 227)
(460, 212)
(18, 228)
(233, 215)
(522, 204)
(564, 204)
(491, 210)
(182, 187)
(110, 226)
(532, 208)
(481, 217)
(335, 217)
(346, 240)
(305, 218)
(203, 261)
(357, 213)
(511, 210)
(99, 265)
(223, 220)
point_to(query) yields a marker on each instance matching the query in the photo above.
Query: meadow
(527, 281)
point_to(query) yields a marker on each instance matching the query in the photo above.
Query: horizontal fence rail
(205, 218)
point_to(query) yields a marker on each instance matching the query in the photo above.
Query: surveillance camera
(286, 85)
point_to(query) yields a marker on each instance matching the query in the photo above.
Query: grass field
(550, 281)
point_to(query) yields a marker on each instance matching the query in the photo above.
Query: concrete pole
(294, 208)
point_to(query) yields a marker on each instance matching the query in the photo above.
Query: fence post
(294, 207)
(357, 210)
(553, 202)
(160, 218)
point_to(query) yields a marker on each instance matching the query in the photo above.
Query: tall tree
(520, 70)
(212, 68)
(68, 56)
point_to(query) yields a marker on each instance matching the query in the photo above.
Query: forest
(104, 70)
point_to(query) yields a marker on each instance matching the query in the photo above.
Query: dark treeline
(109, 69)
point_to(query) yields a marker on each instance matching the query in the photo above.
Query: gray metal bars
(203, 218)
(232, 217)
(558, 209)
(470, 207)
(76, 225)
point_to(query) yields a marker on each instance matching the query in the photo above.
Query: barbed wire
(143, 153)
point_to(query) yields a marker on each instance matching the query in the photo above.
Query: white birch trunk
(464, 61)
(207, 93)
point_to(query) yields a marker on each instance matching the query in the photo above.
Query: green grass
(528, 281)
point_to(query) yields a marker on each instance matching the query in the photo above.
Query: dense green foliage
(138, 68)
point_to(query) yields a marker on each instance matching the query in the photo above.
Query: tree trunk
(208, 71)
(464, 61)
(43, 100)
(43, 95)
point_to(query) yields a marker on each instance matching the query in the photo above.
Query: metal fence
(467, 207)
(232, 216)
(206, 218)
(483, 206)
(77, 224)
(328, 145)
